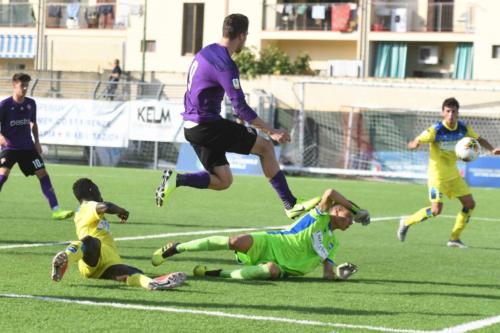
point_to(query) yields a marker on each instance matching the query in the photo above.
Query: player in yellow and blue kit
(295, 251)
(444, 177)
(96, 251)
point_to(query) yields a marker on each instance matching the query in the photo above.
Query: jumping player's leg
(270, 166)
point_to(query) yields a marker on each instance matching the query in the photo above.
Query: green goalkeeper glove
(345, 270)
(360, 215)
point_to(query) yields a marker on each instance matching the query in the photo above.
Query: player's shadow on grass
(303, 310)
(459, 295)
(438, 283)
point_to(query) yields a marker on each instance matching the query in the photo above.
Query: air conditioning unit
(428, 54)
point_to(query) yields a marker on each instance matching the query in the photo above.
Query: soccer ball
(467, 149)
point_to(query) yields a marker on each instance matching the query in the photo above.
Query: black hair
(23, 77)
(234, 25)
(85, 189)
(451, 103)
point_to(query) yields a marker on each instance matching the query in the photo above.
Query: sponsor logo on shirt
(236, 83)
(103, 225)
(317, 243)
(448, 145)
(19, 122)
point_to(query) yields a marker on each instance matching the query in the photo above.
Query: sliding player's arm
(111, 208)
(328, 273)
(332, 197)
(340, 272)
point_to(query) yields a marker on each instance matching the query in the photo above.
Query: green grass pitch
(419, 285)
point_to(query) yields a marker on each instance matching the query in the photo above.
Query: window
(150, 46)
(192, 28)
(495, 52)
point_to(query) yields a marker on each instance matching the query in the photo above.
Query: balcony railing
(17, 15)
(317, 16)
(81, 16)
(408, 17)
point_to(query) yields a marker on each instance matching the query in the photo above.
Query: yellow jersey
(442, 141)
(89, 222)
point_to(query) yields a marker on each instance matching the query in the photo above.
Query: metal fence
(351, 141)
(98, 89)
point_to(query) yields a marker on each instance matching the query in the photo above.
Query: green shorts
(260, 253)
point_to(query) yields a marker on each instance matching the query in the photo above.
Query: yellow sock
(460, 223)
(74, 251)
(421, 215)
(138, 280)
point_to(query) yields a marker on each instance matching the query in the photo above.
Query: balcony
(339, 17)
(81, 16)
(409, 17)
(17, 15)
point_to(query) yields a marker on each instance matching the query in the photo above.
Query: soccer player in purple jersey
(18, 122)
(213, 73)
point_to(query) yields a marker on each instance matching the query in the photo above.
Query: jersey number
(37, 163)
(192, 70)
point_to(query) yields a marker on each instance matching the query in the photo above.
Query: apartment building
(354, 38)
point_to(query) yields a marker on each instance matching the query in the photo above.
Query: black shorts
(29, 160)
(212, 140)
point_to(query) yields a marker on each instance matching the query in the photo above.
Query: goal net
(368, 142)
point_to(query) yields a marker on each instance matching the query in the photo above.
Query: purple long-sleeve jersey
(16, 118)
(212, 73)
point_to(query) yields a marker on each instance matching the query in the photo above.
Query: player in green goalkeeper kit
(295, 251)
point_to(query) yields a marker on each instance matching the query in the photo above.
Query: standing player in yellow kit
(444, 177)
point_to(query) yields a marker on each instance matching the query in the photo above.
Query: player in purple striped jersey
(213, 73)
(18, 122)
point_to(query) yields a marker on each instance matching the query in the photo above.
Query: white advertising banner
(153, 120)
(82, 122)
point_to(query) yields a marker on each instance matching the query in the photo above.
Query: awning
(17, 46)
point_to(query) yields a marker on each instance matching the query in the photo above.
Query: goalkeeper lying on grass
(295, 251)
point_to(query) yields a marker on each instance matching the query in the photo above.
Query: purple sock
(3, 179)
(198, 179)
(48, 191)
(281, 187)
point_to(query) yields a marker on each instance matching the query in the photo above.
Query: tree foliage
(271, 60)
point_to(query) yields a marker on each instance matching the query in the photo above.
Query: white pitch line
(210, 313)
(165, 235)
(473, 325)
(208, 232)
